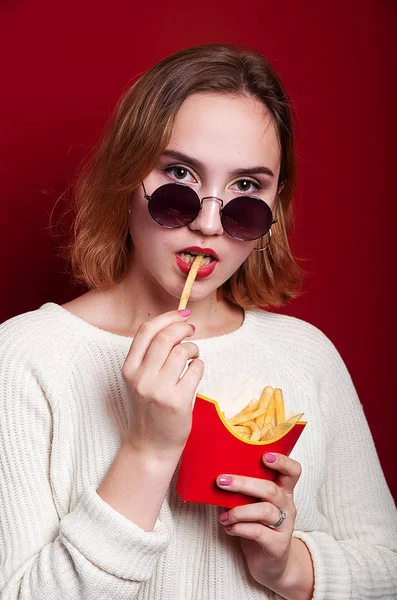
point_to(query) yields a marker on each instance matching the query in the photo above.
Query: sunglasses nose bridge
(213, 208)
(208, 219)
(211, 198)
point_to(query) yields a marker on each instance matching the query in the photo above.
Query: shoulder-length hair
(135, 138)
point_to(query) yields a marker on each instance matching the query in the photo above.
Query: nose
(208, 221)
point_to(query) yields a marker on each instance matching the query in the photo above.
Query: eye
(246, 186)
(179, 173)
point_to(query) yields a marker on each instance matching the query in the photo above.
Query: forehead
(220, 129)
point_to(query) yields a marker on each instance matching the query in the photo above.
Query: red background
(67, 64)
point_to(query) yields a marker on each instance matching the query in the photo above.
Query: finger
(289, 470)
(145, 334)
(251, 531)
(177, 359)
(148, 329)
(262, 512)
(192, 377)
(163, 344)
(259, 488)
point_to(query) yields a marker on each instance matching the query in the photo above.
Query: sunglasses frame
(149, 198)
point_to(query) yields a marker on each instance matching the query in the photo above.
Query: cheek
(239, 252)
(151, 242)
(146, 237)
(142, 226)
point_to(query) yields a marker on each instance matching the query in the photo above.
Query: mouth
(185, 257)
(189, 254)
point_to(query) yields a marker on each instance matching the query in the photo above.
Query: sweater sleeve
(93, 552)
(356, 559)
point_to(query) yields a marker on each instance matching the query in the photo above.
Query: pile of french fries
(263, 419)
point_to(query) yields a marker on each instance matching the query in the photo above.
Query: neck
(123, 308)
(211, 316)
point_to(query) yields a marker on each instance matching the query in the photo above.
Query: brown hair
(135, 138)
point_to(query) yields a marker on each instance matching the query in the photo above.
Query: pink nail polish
(224, 517)
(185, 312)
(193, 327)
(270, 458)
(224, 480)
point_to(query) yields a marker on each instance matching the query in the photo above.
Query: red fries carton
(214, 447)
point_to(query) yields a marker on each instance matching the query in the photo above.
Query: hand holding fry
(160, 407)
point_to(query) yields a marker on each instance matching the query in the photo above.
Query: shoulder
(287, 329)
(37, 337)
(41, 322)
(35, 351)
(295, 340)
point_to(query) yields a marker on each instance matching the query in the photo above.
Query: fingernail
(270, 458)
(224, 480)
(224, 517)
(193, 327)
(185, 312)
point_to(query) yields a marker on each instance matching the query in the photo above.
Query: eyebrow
(197, 165)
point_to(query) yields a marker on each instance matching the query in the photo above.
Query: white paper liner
(234, 390)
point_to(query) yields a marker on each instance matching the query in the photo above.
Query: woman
(97, 393)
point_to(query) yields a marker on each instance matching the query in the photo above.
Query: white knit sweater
(62, 417)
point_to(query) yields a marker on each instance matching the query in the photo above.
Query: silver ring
(283, 516)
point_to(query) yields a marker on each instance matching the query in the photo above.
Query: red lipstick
(198, 250)
(204, 271)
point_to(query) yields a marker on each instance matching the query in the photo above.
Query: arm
(92, 552)
(160, 417)
(104, 547)
(354, 556)
(356, 559)
(136, 485)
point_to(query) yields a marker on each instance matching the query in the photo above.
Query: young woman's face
(221, 146)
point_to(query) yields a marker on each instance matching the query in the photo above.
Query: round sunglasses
(244, 218)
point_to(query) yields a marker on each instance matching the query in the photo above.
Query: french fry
(240, 429)
(271, 411)
(279, 429)
(264, 402)
(252, 405)
(242, 419)
(187, 288)
(256, 432)
(268, 433)
(242, 415)
(295, 418)
(280, 409)
(264, 431)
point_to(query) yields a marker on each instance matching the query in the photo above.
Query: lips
(185, 257)
(194, 250)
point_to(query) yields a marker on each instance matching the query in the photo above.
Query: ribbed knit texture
(63, 413)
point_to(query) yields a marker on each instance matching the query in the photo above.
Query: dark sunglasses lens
(174, 205)
(246, 218)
